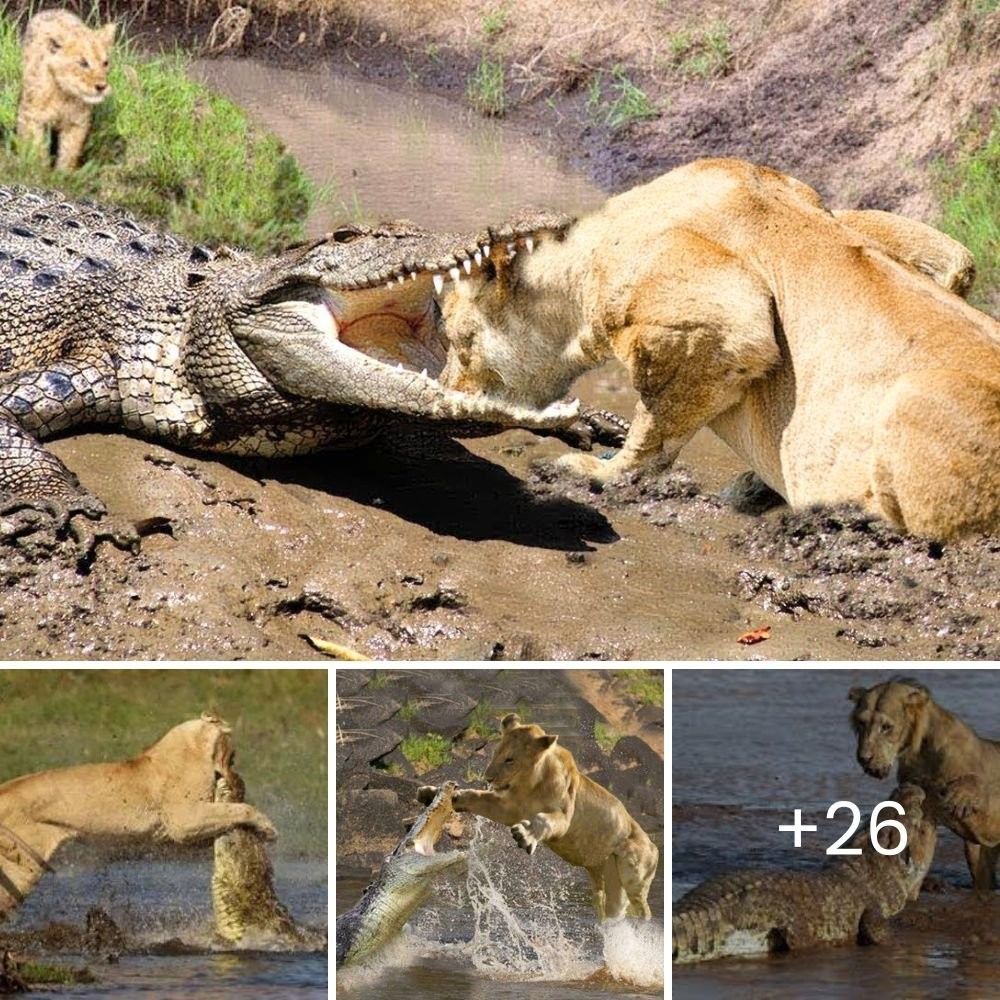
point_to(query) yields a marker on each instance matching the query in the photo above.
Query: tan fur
(65, 74)
(899, 722)
(737, 301)
(163, 794)
(538, 791)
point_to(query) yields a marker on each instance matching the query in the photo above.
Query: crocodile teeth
(438, 283)
(454, 273)
(389, 284)
(478, 258)
(400, 279)
(399, 366)
(486, 249)
(413, 275)
(511, 247)
(529, 242)
(467, 264)
(424, 373)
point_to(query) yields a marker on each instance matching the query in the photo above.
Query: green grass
(494, 21)
(606, 736)
(43, 974)
(426, 751)
(968, 186)
(486, 90)
(646, 685)
(55, 718)
(380, 680)
(704, 52)
(630, 103)
(169, 150)
(408, 710)
(482, 720)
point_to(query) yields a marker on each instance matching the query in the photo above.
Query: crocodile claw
(593, 427)
(88, 535)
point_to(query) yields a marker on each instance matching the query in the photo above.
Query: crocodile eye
(345, 234)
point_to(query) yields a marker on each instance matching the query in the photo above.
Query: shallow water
(395, 154)
(155, 901)
(750, 746)
(495, 933)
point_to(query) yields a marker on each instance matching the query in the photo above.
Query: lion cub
(65, 75)
(538, 791)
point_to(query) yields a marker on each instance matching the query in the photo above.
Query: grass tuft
(969, 190)
(494, 21)
(702, 53)
(607, 736)
(646, 685)
(486, 90)
(630, 104)
(168, 150)
(426, 751)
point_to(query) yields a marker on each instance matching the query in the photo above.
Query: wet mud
(420, 547)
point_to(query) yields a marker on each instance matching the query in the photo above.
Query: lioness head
(889, 720)
(510, 332)
(520, 750)
(79, 61)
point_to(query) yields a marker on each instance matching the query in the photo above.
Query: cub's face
(883, 719)
(520, 749)
(79, 63)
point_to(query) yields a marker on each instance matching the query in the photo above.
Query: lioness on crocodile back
(538, 791)
(814, 346)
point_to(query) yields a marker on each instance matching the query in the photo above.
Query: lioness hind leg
(936, 454)
(597, 893)
(982, 862)
(636, 868)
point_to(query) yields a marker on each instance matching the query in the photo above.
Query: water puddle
(390, 154)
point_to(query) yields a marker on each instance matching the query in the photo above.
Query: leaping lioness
(164, 793)
(811, 343)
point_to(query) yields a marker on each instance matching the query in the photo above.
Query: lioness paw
(960, 797)
(523, 837)
(265, 827)
(588, 466)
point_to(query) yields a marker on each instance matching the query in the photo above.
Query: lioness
(540, 794)
(164, 793)
(65, 73)
(737, 301)
(959, 771)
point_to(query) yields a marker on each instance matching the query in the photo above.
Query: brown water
(392, 154)
(750, 746)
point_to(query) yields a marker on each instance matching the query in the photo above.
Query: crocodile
(403, 883)
(109, 323)
(746, 913)
(244, 900)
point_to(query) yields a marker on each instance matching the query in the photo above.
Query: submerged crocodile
(403, 883)
(747, 913)
(107, 322)
(244, 899)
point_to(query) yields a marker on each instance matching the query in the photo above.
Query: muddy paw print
(961, 797)
(523, 837)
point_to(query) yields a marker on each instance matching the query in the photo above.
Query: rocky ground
(376, 783)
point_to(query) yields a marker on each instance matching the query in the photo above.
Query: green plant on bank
(494, 21)
(482, 720)
(968, 187)
(606, 736)
(646, 685)
(425, 751)
(630, 103)
(702, 53)
(486, 90)
(379, 680)
(409, 709)
(169, 150)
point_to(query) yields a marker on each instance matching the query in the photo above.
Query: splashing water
(527, 943)
(633, 950)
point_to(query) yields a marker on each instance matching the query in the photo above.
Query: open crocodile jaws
(403, 883)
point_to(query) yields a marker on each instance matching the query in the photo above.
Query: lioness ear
(917, 698)
(856, 694)
(509, 721)
(544, 742)
(107, 33)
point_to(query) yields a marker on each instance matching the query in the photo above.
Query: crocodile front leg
(36, 488)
